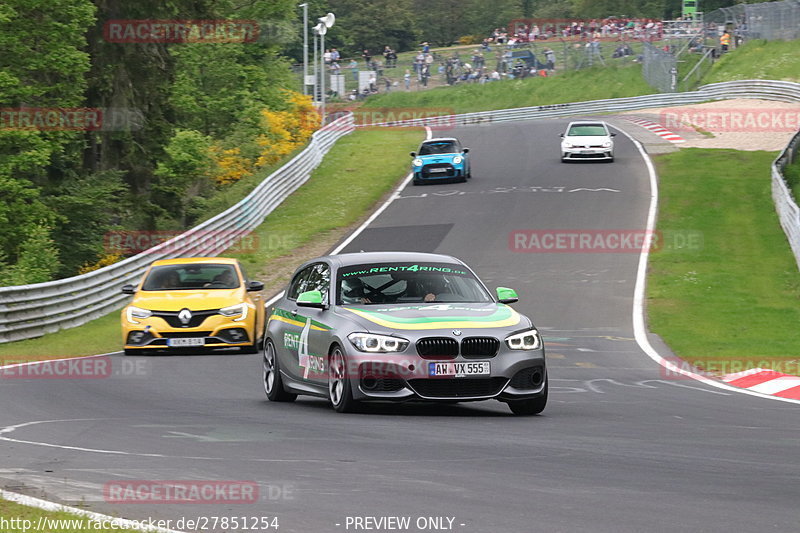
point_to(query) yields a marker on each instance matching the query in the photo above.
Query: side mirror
(129, 289)
(465, 150)
(413, 154)
(506, 295)
(310, 299)
(561, 135)
(613, 134)
(254, 286)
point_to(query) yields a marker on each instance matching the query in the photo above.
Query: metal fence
(660, 68)
(29, 311)
(785, 203)
(743, 22)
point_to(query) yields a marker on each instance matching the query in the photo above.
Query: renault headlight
(238, 310)
(417, 162)
(457, 160)
(525, 340)
(368, 342)
(133, 312)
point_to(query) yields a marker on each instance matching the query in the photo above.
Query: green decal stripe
(286, 314)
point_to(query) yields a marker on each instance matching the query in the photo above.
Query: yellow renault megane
(198, 302)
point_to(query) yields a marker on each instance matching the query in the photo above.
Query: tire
(529, 407)
(274, 387)
(340, 392)
(415, 183)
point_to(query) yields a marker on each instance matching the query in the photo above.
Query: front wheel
(529, 407)
(339, 391)
(273, 383)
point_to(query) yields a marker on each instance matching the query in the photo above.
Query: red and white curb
(659, 130)
(766, 382)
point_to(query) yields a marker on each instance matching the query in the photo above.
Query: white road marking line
(639, 327)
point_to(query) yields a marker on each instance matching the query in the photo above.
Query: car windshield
(187, 277)
(443, 147)
(587, 130)
(411, 283)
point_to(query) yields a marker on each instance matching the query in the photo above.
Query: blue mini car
(441, 159)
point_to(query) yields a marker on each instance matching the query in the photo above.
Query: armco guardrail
(785, 203)
(29, 311)
(783, 91)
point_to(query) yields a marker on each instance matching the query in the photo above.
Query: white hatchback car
(587, 140)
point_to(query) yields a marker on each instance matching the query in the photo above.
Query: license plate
(437, 170)
(587, 151)
(459, 370)
(190, 341)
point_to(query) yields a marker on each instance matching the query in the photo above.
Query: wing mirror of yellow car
(129, 289)
(254, 286)
(310, 299)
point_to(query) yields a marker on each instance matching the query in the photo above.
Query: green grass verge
(731, 303)
(340, 192)
(51, 522)
(766, 60)
(574, 86)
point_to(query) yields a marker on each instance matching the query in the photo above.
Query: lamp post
(305, 47)
(322, 28)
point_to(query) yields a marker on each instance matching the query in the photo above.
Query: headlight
(417, 162)
(608, 144)
(526, 340)
(136, 312)
(367, 342)
(235, 310)
(567, 145)
(457, 160)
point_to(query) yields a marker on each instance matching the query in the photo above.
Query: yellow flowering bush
(108, 258)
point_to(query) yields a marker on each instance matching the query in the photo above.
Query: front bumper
(216, 331)
(437, 172)
(594, 152)
(514, 375)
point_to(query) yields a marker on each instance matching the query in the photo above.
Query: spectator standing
(367, 57)
(550, 57)
(725, 41)
(407, 79)
(354, 68)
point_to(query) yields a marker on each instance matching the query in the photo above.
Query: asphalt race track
(621, 446)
